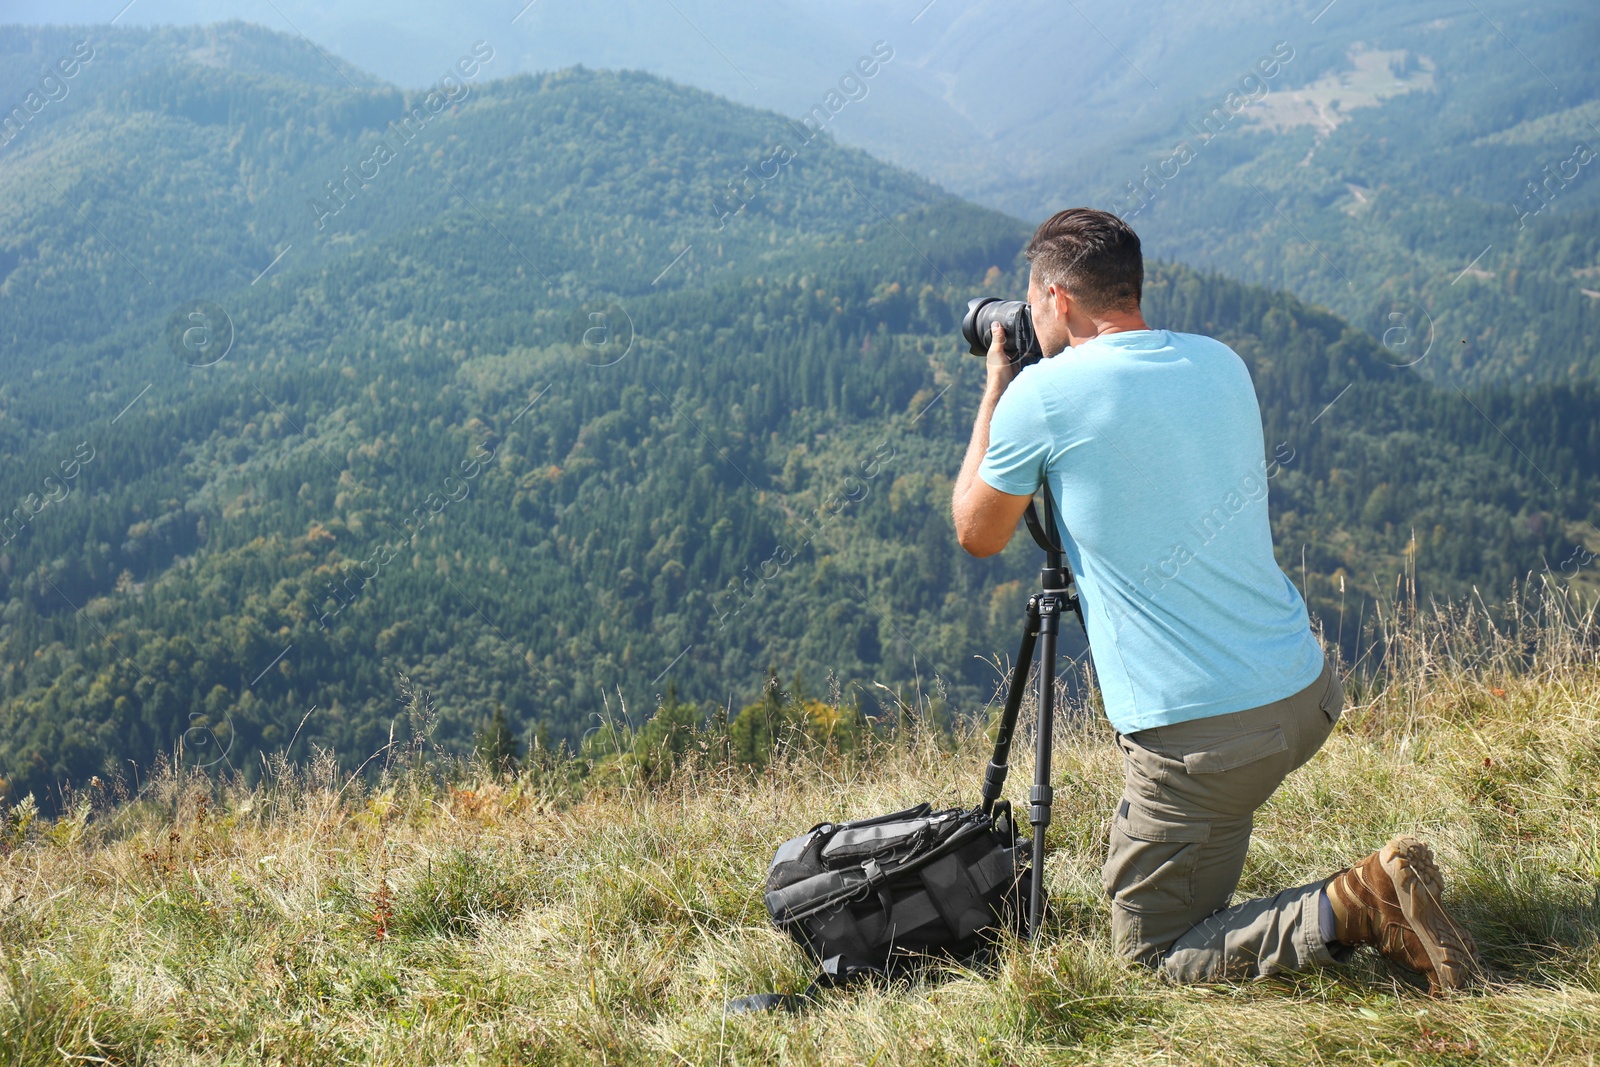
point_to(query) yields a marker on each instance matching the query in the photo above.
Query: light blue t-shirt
(1153, 446)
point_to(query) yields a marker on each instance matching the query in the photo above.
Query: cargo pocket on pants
(1151, 862)
(1231, 753)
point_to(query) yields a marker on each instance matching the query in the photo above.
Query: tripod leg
(994, 779)
(1041, 796)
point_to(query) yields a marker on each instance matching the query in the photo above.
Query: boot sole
(1420, 889)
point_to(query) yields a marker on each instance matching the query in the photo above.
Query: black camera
(1017, 318)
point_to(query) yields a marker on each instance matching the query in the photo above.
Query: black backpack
(876, 896)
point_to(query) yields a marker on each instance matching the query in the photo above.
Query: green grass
(322, 918)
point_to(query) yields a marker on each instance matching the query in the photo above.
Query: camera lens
(1017, 318)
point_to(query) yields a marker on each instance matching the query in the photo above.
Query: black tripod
(1058, 593)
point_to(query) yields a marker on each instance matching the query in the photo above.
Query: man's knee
(1131, 937)
(1189, 956)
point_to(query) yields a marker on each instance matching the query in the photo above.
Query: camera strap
(1045, 533)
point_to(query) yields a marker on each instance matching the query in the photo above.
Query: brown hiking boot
(1393, 900)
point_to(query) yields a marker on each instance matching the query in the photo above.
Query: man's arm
(985, 518)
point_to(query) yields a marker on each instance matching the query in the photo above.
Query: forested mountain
(1430, 160)
(591, 385)
(1428, 167)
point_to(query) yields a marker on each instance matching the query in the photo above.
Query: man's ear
(1062, 301)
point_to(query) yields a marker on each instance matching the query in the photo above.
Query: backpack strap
(836, 971)
(762, 1002)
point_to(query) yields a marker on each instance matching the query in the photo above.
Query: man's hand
(1000, 364)
(985, 518)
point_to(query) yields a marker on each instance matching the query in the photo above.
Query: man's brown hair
(1091, 254)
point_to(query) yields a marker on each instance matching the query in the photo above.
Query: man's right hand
(1000, 365)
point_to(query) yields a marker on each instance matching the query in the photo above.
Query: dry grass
(324, 918)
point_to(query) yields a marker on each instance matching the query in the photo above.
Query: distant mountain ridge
(1401, 136)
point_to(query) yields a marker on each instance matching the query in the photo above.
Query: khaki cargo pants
(1180, 833)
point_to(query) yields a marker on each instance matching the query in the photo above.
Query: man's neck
(1120, 322)
(1113, 322)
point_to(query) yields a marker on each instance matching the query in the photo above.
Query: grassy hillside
(603, 910)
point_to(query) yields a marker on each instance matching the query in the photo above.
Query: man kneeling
(1152, 445)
